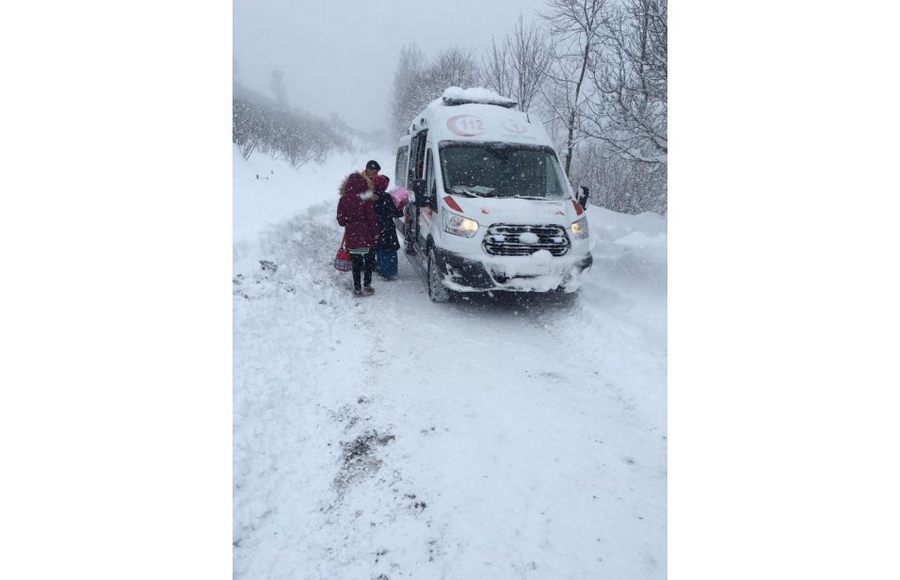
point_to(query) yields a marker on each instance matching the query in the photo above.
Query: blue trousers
(386, 261)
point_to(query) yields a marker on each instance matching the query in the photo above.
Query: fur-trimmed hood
(343, 187)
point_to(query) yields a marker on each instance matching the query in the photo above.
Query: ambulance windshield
(502, 170)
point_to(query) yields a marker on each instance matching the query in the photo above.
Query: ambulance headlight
(580, 228)
(459, 225)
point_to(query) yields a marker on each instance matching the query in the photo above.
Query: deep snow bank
(269, 191)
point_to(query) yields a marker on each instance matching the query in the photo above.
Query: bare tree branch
(630, 110)
(575, 26)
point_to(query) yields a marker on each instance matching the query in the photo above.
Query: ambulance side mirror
(583, 195)
(420, 190)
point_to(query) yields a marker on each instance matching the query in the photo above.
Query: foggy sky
(339, 56)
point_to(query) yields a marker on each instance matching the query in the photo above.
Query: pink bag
(400, 196)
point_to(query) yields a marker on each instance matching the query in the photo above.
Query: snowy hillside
(389, 437)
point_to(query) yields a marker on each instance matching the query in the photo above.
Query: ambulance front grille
(507, 240)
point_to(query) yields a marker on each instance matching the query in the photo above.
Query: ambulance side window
(402, 162)
(417, 165)
(429, 175)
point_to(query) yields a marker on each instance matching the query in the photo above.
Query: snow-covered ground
(389, 437)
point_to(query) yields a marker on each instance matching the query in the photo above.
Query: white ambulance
(492, 208)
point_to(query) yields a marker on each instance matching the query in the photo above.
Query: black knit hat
(372, 164)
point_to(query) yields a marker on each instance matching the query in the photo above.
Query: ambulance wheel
(436, 290)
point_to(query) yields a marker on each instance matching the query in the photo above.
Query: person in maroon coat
(356, 212)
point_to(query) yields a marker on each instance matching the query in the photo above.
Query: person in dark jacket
(356, 212)
(369, 173)
(387, 244)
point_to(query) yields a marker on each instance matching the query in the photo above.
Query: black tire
(436, 291)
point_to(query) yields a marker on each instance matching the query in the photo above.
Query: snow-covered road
(389, 437)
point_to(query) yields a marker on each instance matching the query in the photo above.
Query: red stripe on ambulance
(451, 203)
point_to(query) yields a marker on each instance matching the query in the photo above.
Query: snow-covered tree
(417, 83)
(575, 27)
(517, 66)
(496, 71)
(406, 97)
(630, 111)
(262, 124)
(276, 83)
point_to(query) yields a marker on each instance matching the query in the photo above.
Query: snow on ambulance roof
(478, 114)
(459, 96)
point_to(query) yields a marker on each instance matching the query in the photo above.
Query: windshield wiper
(473, 191)
(462, 190)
